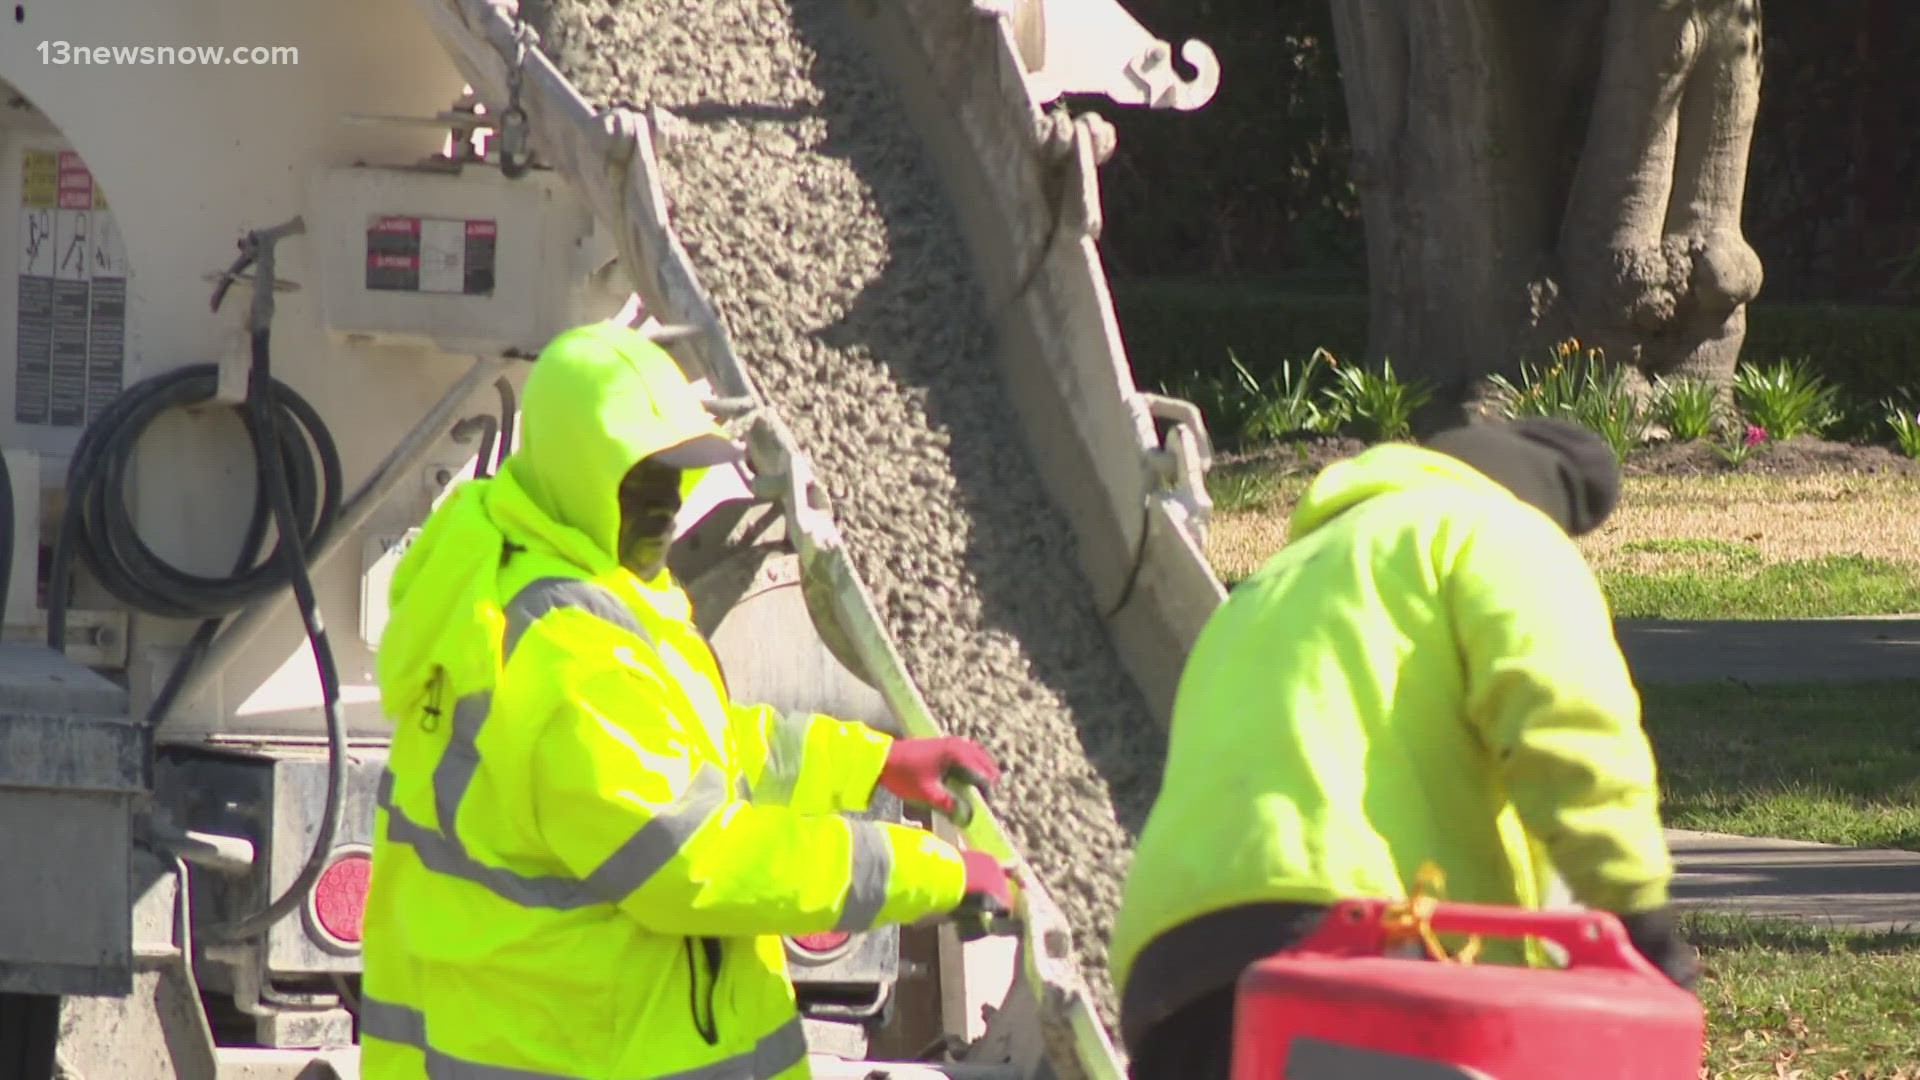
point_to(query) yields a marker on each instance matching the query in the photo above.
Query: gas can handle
(1592, 939)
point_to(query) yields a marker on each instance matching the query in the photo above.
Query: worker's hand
(916, 768)
(1656, 934)
(989, 890)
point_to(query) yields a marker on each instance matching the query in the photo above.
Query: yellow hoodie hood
(599, 399)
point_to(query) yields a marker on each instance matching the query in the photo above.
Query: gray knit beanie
(1562, 468)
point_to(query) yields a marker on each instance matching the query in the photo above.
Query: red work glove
(988, 890)
(916, 767)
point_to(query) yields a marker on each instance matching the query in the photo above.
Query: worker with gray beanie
(1426, 672)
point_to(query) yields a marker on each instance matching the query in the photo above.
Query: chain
(513, 122)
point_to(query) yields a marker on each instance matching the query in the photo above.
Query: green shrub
(1905, 422)
(1869, 350)
(1786, 399)
(1688, 408)
(1225, 402)
(1174, 326)
(1242, 409)
(1177, 326)
(1377, 407)
(1581, 387)
(1287, 404)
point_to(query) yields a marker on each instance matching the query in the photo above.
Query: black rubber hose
(508, 410)
(297, 490)
(99, 523)
(482, 460)
(261, 394)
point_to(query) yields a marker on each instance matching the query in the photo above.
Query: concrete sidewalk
(1853, 888)
(1846, 887)
(1782, 651)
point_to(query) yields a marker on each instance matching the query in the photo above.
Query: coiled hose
(297, 490)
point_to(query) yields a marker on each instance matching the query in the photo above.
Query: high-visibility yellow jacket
(585, 851)
(1427, 671)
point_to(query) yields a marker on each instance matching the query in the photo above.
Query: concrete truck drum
(1336, 1007)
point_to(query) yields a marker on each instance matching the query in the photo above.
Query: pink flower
(1756, 435)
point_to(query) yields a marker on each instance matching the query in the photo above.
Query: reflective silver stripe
(407, 1026)
(649, 850)
(443, 855)
(630, 866)
(867, 885)
(773, 1054)
(786, 748)
(461, 759)
(547, 594)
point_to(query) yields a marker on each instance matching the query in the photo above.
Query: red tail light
(822, 943)
(339, 900)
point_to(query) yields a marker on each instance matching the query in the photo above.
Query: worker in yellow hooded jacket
(1426, 672)
(585, 851)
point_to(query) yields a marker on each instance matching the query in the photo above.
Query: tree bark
(1530, 171)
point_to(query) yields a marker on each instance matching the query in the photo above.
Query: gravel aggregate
(801, 193)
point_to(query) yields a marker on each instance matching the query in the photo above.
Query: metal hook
(512, 132)
(1107, 52)
(1164, 86)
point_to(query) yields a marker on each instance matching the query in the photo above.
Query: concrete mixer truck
(279, 270)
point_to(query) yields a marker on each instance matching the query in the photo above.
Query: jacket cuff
(859, 756)
(927, 878)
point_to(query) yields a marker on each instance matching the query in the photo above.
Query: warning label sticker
(40, 181)
(70, 339)
(449, 256)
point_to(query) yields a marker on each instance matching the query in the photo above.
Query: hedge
(1177, 330)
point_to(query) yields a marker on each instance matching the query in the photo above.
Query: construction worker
(585, 852)
(1426, 672)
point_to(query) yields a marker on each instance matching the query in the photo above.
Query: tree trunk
(1532, 171)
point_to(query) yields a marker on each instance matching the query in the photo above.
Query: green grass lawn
(1796, 589)
(1720, 547)
(1833, 764)
(1784, 1000)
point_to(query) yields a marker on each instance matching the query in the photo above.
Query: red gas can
(1337, 1008)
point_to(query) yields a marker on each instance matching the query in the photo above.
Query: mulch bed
(1301, 455)
(1306, 455)
(1795, 457)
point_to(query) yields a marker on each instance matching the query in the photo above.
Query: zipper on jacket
(436, 689)
(710, 1031)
